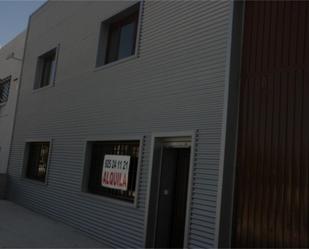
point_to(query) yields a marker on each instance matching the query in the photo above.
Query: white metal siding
(176, 84)
(8, 68)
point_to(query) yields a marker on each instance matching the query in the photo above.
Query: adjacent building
(10, 64)
(167, 123)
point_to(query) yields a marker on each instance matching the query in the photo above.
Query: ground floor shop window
(112, 169)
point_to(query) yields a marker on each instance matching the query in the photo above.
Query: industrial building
(10, 64)
(167, 123)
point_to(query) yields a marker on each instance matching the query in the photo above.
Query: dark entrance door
(272, 178)
(172, 198)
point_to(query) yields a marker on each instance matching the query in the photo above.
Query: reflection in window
(37, 160)
(126, 46)
(121, 35)
(46, 69)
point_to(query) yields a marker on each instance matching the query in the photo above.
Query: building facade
(10, 64)
(137, 125)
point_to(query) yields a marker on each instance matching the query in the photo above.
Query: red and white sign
(115, 172)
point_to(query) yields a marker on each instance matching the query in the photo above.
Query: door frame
(157, 140)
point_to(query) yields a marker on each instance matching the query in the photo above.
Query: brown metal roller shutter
(271, 193)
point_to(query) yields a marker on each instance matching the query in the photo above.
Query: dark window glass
(4, 90)
(46, 69)
(127, 40)
(99, 150)
(37, 160)
(122, 37)
(112, 51)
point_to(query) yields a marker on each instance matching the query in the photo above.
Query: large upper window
(118, 36)
(37, 160)
(4, 90)
(113, 169)
(46, 69)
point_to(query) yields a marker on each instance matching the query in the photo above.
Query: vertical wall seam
(224, 123)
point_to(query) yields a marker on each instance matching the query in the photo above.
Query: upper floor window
(46, 69)
(4, 90)
(118, 36)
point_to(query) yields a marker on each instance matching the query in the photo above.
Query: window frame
(157, 138)
(40, 69)
(103, 38)
(4, 81)
(117, 26)
(26, 159)
(87, 166)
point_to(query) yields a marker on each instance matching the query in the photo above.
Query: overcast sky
(14, 16)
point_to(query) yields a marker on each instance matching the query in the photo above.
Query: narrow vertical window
(4, 90)
(38, 153)
(46, 69)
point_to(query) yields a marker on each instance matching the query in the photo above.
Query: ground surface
(19, 227)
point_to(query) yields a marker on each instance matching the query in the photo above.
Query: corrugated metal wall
(176, 84)
(272, 185)
(9, 68)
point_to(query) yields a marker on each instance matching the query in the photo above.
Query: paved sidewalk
(21, 228)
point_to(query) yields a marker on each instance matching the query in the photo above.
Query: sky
(14, 16)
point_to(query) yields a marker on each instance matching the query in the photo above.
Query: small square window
(37, 160)
(118, 36)
(4, 90)
(46, 69)
(112, 169)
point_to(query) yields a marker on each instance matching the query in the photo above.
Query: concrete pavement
(22, 228)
